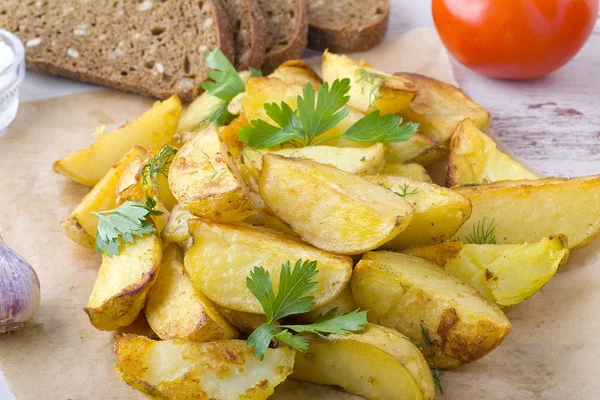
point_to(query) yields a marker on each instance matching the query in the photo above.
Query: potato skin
(183, 370)
(123, 282)
(205, 179)
(297, 72)
(407, 294)
(175, 310)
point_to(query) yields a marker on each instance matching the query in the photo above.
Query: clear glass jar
(11, 78)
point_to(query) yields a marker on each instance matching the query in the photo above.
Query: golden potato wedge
(245, 322)
(268, 90)
(230, 137)
(414, 172)
(528, 211)
(81, 225)
(474, 158)
(365, 160)
(206, 180)
(176, 310)
(370, 89)
(439, 107)
(129, 177)
(297, 72)
(222, 257)
(506, 274)
(410, 294)
(344, 303)
(418, 149)
(266, 220)
(439, 211)
(331, 209)
(378, 363)
(183, 370)
(123, 282)
(161, 190)
(151, 130)
(176, 229)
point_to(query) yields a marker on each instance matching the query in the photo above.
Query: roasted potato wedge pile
(282, 240)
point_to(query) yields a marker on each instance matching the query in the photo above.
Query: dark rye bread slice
(249, 32)
(347, 26)
(287, 29)
(151, 47)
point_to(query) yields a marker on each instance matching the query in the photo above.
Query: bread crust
(362, 38)
(259, 37)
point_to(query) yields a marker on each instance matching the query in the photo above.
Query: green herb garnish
(316, 115)
(158, 165)
(218, 116)
(122, 224)
(435, 372)
(405, 193)
(293, 297)
(374, 80)
(225, 83)
(483, 234)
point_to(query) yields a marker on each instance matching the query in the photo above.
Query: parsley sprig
(293, 297)
(130, 219)
(483, 234)
(317, 114)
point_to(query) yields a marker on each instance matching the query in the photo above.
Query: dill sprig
(374, 80)
(158, 165)
(482, 233)
(405, 193)
(215, 174)
(435, 372)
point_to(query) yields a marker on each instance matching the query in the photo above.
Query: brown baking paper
(552, 353)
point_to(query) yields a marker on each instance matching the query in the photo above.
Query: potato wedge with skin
(418, 149)
(439, 107)
(331, 209)
(206, 180)
(439, 211)
(123, 282)
(183, 370)
(409, 294)
(81, 225)
(268, 90)
(222, 257)
(297, 72)
(414, 172)
(162, 190)
(503, 273)
(176, 229)
(151, 130)
(360, 161)
(378, 363)
(245, 322)
(344, 303)
(176, 310)
(474, 158)
(266, 220)
(528, 211)
(230, 137)
(369, 89)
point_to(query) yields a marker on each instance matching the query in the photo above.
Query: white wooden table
(553, 123)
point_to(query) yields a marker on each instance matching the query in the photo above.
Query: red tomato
(514, 39)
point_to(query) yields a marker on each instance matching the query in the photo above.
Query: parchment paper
(552, 353)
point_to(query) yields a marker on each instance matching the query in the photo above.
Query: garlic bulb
(19, 290)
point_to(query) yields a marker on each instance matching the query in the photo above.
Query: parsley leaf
(226, 83)
(122, 224)
(385, 129)
(293, 297)
(327, 112)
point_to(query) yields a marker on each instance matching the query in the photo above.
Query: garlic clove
(19, 290)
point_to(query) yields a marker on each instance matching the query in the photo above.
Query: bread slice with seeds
(287, 29)
(347, 26)
(249, 32)
(151, 47)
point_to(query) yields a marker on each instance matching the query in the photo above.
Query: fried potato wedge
(474, 158)
(266, 220)
(439, 211)
(369, 89)
(378, 363)
(123, 282)
(418, 149)
(343, 303)
(366, 160)
(230, 137)
(183, 370)
(222, 256)
(205, 179)
(297, 72)
(151, 130)
(268, 90)
(176, 229)
(161, 189)
(331, 209)
(506, 274)
(439, 107)
(414, 172)
(176, 310)
(411, 294)
(528, 211)
(245, 322)
(80, 226)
